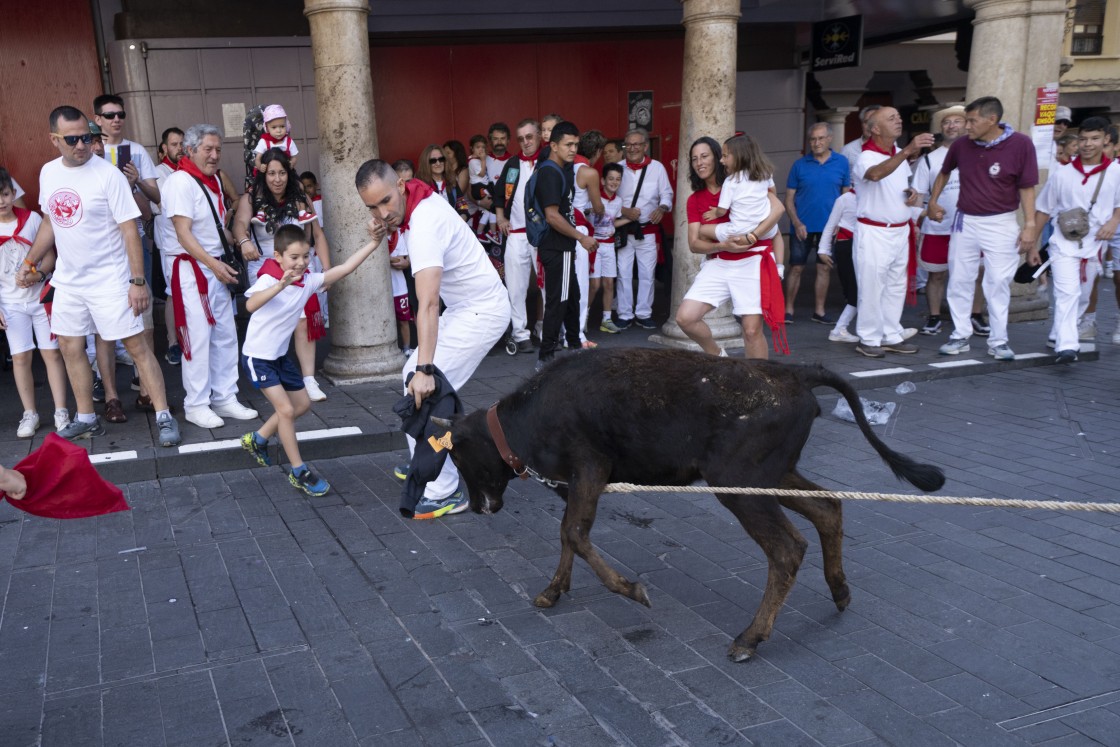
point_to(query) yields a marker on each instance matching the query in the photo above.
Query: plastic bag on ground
(877, 413)
(905, 387)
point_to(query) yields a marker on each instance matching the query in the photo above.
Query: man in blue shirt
(815, 181)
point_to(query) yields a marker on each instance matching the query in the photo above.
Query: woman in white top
(277, 199)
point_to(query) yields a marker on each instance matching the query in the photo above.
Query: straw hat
(938, 116)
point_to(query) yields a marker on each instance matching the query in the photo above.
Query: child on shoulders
(285, 289)
(277, 134)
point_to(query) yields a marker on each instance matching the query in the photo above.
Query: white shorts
(606, 262)
(736, 279)
(28, 327)
(77, 313)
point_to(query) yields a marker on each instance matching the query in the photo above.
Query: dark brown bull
(666, 417)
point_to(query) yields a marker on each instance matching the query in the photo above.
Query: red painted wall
(46, 59)
(432, 94)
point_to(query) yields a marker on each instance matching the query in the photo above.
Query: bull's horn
(441, 422)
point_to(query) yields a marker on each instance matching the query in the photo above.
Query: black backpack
(536, 224)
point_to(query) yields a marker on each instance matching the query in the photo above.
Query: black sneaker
(309, 482)
(933, 326)
(646, 323)
(1066, 356)
(401, 471)
(98, 390)
(980, 325)
(624, 323)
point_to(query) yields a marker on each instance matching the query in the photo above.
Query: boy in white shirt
(282, 291)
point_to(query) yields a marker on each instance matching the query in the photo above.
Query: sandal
(144, 403)
(114, 413)
(590, 344)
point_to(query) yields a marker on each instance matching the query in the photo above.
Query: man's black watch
(137, 281)
(426, 368)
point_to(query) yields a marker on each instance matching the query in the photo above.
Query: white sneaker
(842, 335)
(314, 393)
(61, 418)
(203, 417)
(234, 409)
(1087, 330)
(28, 424)
(909, 332)
(124, 359)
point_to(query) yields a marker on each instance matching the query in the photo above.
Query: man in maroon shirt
(998, 172)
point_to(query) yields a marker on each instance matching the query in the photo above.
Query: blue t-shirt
(818, 185)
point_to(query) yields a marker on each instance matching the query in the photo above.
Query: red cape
(62, 484)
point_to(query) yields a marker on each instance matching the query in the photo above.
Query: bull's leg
(784, 547)
(828, 518)
(575, 535)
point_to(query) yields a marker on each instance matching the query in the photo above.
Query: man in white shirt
(509, 207)
(450, 265)
(170, 151)
(652, 202)
(882, 240)
(99, 274)
(853, 148)
(204, 323)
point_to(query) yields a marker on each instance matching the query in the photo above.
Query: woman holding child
(277, 199)
(741, 269)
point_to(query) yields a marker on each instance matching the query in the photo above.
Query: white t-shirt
(494, 167)
(12, 254)
(748, 201)
(843, 215)
(400, 284)
(287, 145)
(317, 206)
(271, 326)
(163, 228)
(929, 166)
(477, 173)
(438, 237)
(517, 209)
(183, 196)
(883, 201)
(1064, 190)
(139, 156)
(612, 209)
(86, 205)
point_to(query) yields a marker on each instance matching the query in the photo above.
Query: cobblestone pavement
(226, 608)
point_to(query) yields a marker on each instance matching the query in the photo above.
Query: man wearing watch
(450, 265)
(93, 229)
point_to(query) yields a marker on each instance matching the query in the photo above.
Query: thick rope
(943, 500)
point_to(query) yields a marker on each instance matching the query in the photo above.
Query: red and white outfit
(267, 143)
(581, 204)
(606, 262)
(520, 256)
(398, 247)
(86, 205)
(656, 191)
(28, 325)
(1074, 265)
(881, 248)
(477, 306)
(933, 251)
(203, 307)
(747, 200)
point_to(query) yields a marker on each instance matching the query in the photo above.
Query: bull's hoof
(842, 599)
(739, 654)
(546, 598)
(638, 594)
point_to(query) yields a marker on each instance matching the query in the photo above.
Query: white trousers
(880, 255)
(465, 337)
(211, 373)
(995, 240)
(1071, 296)
(645, 252)
(583, 276)
(520, 259)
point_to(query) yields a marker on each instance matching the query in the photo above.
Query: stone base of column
(1026, 303)
(361, 365)
(725, 330)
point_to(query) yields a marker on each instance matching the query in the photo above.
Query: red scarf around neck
(871, 145)
(211, 182)
(530, 159)
(169, 163)
(641, 165)
(583, 160)
(506, 157)
(22, 216)
(1105, 161)
(315, 326)
(414, 191)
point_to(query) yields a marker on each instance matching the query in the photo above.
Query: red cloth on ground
(62, 484)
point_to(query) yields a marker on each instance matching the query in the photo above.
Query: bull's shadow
(670, 417)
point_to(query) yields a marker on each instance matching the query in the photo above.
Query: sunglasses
(113, 115)
(72, 140)
(441, 159)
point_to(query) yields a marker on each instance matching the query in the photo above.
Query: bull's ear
(441, 422)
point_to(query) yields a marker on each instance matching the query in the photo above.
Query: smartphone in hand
(124, 155)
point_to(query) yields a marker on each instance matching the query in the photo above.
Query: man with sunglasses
(109, 114)
(99, 273)
(509, 206)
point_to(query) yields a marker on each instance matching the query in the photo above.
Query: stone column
(837, 119)
(363, 327)
(1012, 72)
(707, 108)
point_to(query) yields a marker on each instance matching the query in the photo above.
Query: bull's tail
(926, 477)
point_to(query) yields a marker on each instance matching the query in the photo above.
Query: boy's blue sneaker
(174, 355)
(308, 482)
(259, 450)
(456, 503)
(401, 471)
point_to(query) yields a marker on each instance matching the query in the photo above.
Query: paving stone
(75, 719)
(780, 733)
(190, 710)
(699, 727)
(131, 715)
(811, 713)
(729, 700)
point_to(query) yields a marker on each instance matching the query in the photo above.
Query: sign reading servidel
(837, 43)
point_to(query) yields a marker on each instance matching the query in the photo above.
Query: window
(1088, 27)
